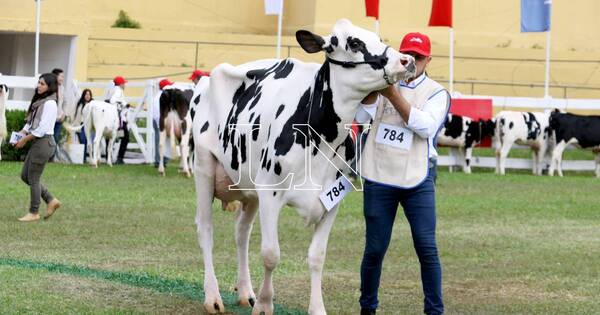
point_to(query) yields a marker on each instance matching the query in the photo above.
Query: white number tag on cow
(395, 136)
(335, 193)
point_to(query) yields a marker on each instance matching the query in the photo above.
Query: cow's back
(244, 110)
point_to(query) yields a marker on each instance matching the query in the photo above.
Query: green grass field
(124, 242)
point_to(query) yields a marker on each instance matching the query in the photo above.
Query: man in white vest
(398, 166)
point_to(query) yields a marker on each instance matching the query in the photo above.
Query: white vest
(386, 164)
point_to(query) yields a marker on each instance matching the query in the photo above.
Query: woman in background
(39, 128)
(86, 97)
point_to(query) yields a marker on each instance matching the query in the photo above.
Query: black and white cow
(175, 122)
(461, 134)
(583, 131)
(272, 127)
(3, 101)
(525, 128)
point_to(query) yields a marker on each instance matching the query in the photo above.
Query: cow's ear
(311, 43)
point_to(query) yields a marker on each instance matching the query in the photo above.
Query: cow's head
(552, 120)
(375, 65)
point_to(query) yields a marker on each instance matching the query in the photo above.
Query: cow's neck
(334, 104)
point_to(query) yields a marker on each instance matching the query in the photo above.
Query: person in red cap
(162, 84)
(117, 98)
(399, 167)
(196, 75)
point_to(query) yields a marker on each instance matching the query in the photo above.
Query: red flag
(372, 8)
(441, 13)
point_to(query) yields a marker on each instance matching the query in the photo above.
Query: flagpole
(547, 77)
(451, 56)
(279, 20)
(37, 37)
(377, 27)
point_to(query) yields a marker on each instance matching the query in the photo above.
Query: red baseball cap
(163, 83)
(416, 42)
(197, 74)
(119, 80)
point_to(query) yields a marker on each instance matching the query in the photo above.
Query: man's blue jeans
(380, 206)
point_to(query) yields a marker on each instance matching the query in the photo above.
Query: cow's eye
(354, 45)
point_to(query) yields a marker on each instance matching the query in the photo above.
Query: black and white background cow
(175, 122)
(583, 131)
(252, 128)
(461, 134)
(526, 128)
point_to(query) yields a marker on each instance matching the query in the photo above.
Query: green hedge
(15, 120)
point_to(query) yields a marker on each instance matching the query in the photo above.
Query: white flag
(273, 7)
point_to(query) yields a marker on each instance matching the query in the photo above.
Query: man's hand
(389, 92)
(21, 143)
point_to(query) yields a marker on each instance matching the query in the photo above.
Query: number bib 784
(395, 136)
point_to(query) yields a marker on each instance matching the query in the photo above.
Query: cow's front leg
(316, 259)
(204, 177)
(161, 150)
(269, 215)
(536, 161)
(556, 161)
(244, 220)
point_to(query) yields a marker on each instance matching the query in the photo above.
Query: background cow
(103, 118)
(583, 131)
(525, 128)
(461, 134)
(3, 100)
(175, 122)
(247, 132)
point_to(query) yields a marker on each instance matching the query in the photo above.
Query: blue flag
(535, 15)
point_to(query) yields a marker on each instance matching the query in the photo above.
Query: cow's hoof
(247, 302)
(246, 298)
(95, 165)
(214, 307)
(259, 309)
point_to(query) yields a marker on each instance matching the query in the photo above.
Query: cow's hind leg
(468, 157)
(502, 155)
(243, 227)
(109, 150)
(269, 216)
(316, 259)
(204, 177)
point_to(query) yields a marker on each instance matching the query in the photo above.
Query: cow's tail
(174, 151)
(71, 128)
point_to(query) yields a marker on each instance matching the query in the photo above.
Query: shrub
(124, 21)
(15, 120)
